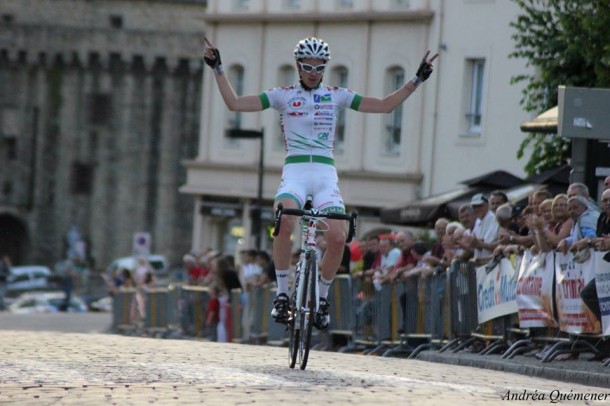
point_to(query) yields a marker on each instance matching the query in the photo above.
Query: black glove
(213, 63)
(424, 70)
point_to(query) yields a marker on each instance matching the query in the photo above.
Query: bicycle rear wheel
(307, 309)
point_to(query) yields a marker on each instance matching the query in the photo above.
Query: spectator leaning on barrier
(371, 257)
(388, 259)
(601, 243)
(585, 223)
(467, 218)
(451, 249)
(485, 231)
(437, 250)
(405, 241)
(580, 189)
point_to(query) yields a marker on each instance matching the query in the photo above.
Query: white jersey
(308, 117)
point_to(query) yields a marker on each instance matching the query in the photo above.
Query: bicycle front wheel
(307, 309)
(293, 331)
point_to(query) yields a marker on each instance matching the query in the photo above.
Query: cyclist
(308, 112)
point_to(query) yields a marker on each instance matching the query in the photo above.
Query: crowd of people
(487, 227)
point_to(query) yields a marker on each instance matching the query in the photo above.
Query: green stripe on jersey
(356, 102)
(264, 100)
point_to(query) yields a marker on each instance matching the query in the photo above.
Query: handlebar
(309, 213)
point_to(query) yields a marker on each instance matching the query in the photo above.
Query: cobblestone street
(72, 368)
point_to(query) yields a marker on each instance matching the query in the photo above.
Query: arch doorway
(13, 238)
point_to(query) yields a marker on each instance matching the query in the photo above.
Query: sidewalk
(578, 370)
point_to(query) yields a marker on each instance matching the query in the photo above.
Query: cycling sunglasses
(312, 68)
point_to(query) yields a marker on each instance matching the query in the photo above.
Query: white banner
(535, 290)
(496, 291)
(602, 283)
(571, 277)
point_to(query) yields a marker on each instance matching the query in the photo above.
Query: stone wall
(103, 117)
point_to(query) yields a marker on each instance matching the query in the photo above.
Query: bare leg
(282, 243)
(335, 240)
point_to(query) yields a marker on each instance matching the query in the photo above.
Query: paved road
(77, 369)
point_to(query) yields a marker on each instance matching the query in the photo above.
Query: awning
(516, 195)
(424, 211)
(545, 123)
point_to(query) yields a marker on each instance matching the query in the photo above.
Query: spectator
(580, 189)
(212, 314)
(496, 199)
(407, 261)
(585, 223)
(250, 270)
(485, 232)
(467, 219)
(66, 270)
(389, 256)
(420, 252)
(263, 260)
(142, 268)
(451, 249)
(195, 273)
(537, 197)
(5, 267)
(601, 242)
(437, 250)
(561, 221)
(371, 258)
(607, 183)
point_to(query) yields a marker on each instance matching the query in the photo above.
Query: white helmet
(312, 48)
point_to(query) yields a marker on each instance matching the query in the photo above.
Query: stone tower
(99, 106)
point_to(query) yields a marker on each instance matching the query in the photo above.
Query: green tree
(568, 43)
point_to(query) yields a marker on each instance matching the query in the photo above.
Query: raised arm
(231, 99)
(390, 102)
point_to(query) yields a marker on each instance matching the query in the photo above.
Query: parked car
(28, 277)
(158, 262)
(45, 302)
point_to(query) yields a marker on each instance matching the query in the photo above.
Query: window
(10, 145)
(393, 135)
(287, 76)
(236, 77)
(474, 108)
(241, 4)
(100, 109)
(81, 179)
(339, 76)
(292, 4)
(402, 3)
(116, 21)
(346, 3)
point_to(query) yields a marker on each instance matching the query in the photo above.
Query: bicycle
(304, 296)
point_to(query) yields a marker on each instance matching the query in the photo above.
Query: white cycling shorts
(319, 180)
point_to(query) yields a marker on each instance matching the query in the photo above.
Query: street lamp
(238, 133)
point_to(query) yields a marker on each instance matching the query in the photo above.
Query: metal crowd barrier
(463, 312)
(160, 306)
(236, 314)
(364, 317)
(124, 311)
(192, 305)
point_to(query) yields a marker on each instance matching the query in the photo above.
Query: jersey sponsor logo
(297, 102)
(323, 106)
(297, 114)
(325, 118)
(321, 98)
(323, 136)
(324, 113)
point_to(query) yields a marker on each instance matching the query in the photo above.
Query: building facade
(99, 104)
(462, 122)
